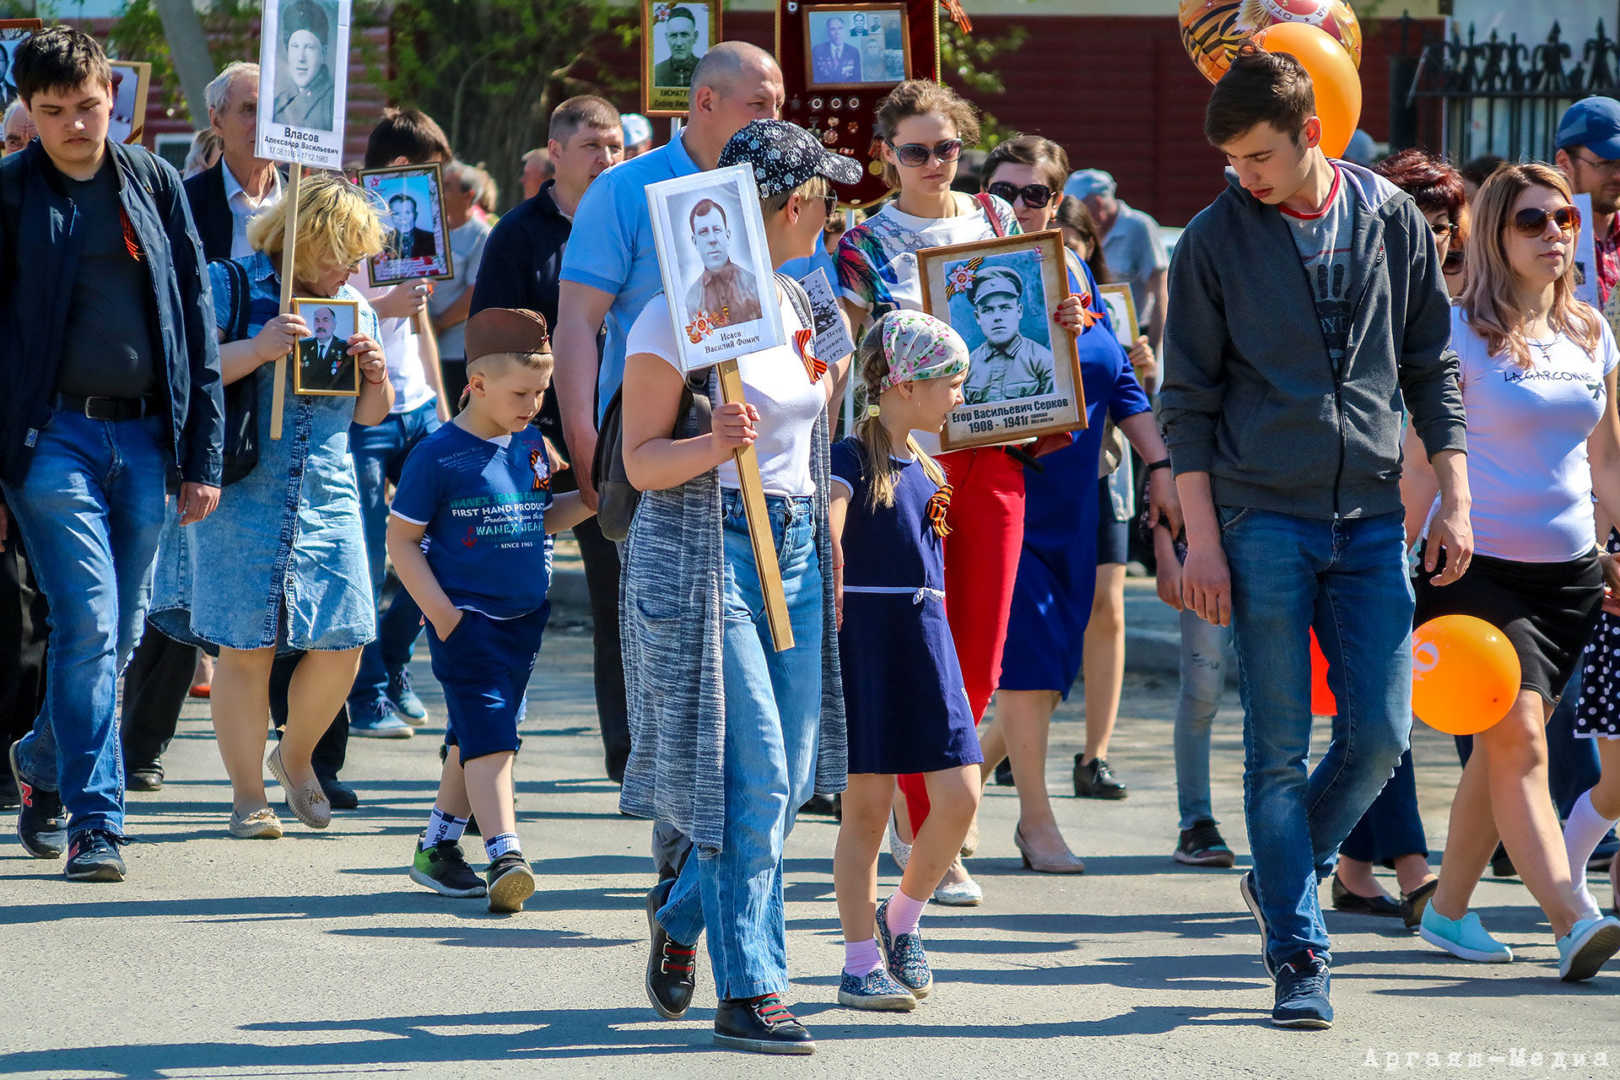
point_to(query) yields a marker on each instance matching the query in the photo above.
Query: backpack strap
(990, 212)
(236, 280)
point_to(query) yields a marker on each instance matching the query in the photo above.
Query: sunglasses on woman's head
(914, 154)
(1532, 220)
(1035, 196)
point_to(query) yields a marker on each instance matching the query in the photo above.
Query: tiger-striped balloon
(1212, 30)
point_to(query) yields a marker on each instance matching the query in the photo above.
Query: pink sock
(861, 958)
(904, 913)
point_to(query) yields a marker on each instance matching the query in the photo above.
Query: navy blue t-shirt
(484, 505)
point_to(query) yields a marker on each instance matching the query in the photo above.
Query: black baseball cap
(784, 156)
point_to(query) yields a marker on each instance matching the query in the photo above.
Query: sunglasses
(1035, 196)
(913, 154)
(831, 202)
(1532, 220)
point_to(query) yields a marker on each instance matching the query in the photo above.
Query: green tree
(968, 62)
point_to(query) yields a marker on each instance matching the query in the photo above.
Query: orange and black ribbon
(804, 342)
(953, 8)
(542, 481)
(938, 503)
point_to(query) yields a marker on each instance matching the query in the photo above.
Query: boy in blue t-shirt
(469, 534)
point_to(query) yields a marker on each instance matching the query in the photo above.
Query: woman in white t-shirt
(1537, 368)
(729, 736)
(924, 126)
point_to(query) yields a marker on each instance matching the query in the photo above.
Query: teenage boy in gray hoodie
(1307, 310)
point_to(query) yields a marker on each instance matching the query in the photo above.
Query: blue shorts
(484, 668)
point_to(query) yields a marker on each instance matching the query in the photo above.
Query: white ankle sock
(1582, 832)
(442, 826)
(499, 845)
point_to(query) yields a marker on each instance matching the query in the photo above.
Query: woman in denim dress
(282, 564)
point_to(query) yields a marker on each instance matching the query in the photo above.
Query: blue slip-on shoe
(404, 700)
(1465, 937)
(1584, 949)
(377, 721)
(904, 954)
(1302, 993)
(1251, 899)
(876, 991)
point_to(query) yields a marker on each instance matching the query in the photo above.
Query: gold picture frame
(423, 187)
(336, 374)
(1001, 295)
(130, 128)
(1121, 312)
(673, 98)
(818, 16)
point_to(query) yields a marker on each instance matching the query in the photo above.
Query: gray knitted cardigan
(670, 626)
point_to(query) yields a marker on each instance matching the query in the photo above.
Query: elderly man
(835, 60)
(1008, 365)
(304, 97)
(537, 169)
(324, 363)
(406, 241)
(1131, 244)
(726, 292)
(18, 127)
(680, 33)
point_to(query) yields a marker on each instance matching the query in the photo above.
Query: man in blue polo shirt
(610, 269)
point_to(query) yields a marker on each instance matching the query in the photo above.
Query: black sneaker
(93, 856)
(1251, 900)
(1095, 780)
(144, 777)
(1202, 845)
(443, 868)
(509, 882)
(41, 828)
(762, 1024)
(1302, 993)
(827, 806)
(671, 966)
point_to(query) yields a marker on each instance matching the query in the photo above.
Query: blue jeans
(90, 511)
(1202, 679)
(1392, 826)
(379, 455)
(773, 718)
(1346, 579)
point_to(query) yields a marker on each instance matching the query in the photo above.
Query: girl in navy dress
(904, 697)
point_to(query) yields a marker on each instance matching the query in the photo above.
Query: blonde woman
(1537, 370)
(282, 564)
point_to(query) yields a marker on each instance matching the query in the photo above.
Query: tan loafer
(260, 824)
(1063, 862)
(307, 802)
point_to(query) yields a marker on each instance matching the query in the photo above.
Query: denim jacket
(39, 253)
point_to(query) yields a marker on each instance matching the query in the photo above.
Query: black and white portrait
(718, 287)
(855, 45)
(303, 81)
(305, 90)
(677, 35)
(324, 364)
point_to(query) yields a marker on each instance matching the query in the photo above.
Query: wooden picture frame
(673, 98)
(323, 377)
(817, 16)
(303, 82)
(421, 187)
(131, 128)
(1033, 387)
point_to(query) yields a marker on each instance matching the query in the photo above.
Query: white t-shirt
(774, 381)
(402, 348)
(1527, 431)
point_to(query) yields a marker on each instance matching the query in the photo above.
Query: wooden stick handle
(289, 255)
(759, 522)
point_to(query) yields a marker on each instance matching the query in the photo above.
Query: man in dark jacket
(521, 268)
(117, 402)
(1307, 308)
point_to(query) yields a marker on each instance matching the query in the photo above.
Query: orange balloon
(1333, 75)
(1322, 701)
(1465, 674)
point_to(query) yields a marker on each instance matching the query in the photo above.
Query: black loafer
(144, 778)
(1353, 904)
(762, 1025)
(1502, 863)
(1413, 903)
(671, 966)
(339, 794)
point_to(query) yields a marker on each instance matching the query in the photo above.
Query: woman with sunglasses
(1071, 574)
(1537, 369)
(923, 126)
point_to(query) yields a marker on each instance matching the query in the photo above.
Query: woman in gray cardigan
(729, 737)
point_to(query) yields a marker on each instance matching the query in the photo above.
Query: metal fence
(1497, 96)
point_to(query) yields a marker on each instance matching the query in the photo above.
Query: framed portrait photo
(675, 34)
(1121, 312)
(13, 32)
(716, 265)
(303, 81)
(416, 241)
(855, 46)
(130, 82)
(1023, 374)
(325, 368)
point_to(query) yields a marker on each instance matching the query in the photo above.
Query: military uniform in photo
(1016, 368)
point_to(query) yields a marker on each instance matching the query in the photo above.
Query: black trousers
(24, 628)
(155, 688)
(601, 557)
(333, 746)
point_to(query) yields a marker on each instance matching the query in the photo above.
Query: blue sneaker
(377, 722)
(876, 991)
(1464, 937)
(404, 699)
(1587, 945)
(1251, 899)
(907, 961)
(1302, 993)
